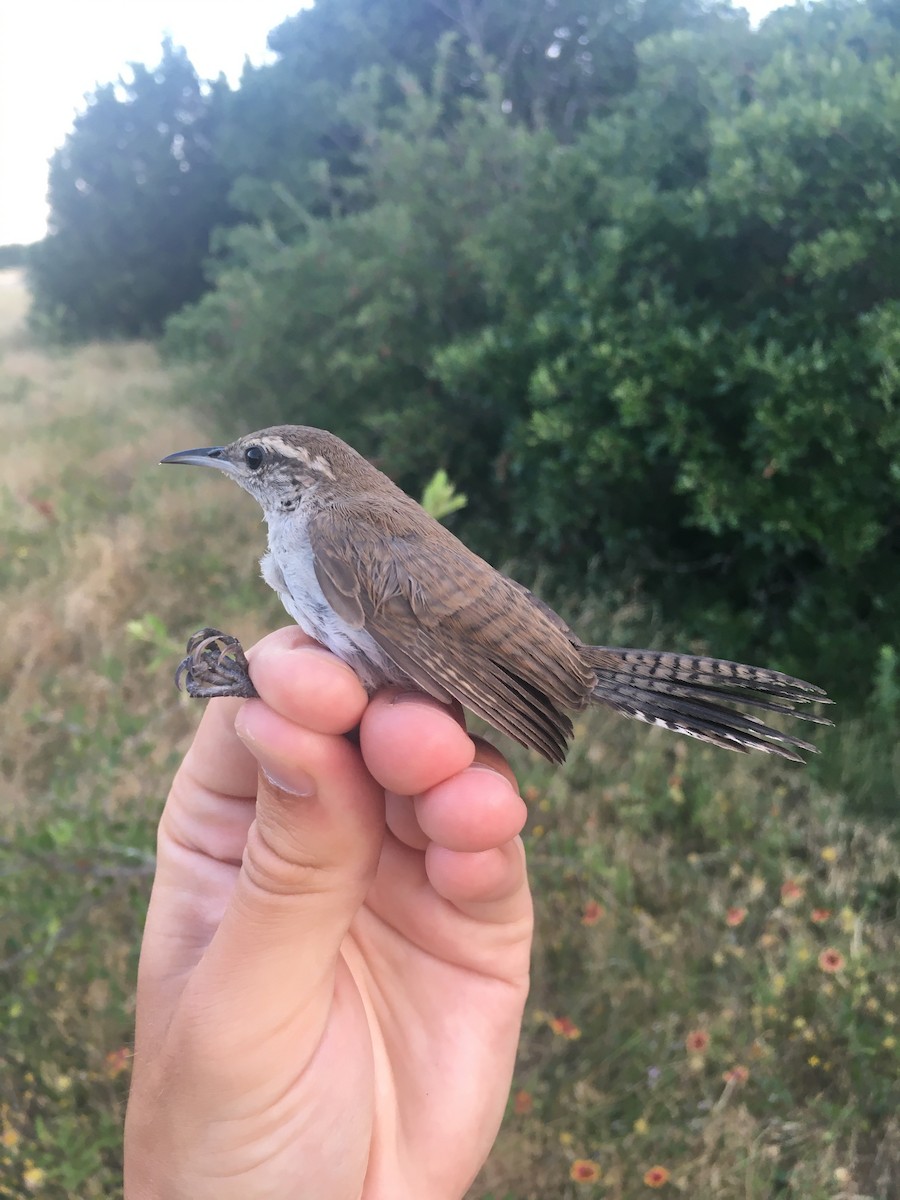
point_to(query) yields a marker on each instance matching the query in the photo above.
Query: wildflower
(564, 1027)
(889, 1042)
(591, 913)
(735, 917)
(831, 961)
(538, 831)
(814, 1060)
(820, 915)
(791, 892)
(640, 1126)
(737, 1074)
(842, 1175)
(9, 1139)
(33, 1178)
(584, 1170)
(848, 919)
(523, 1103)
(697, 1041)
(117, 1061)
(657, 1177)
(565, 1138)
(828, 854)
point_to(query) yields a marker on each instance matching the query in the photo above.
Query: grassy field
(714, 1010)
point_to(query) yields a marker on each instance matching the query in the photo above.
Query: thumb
(310, 858)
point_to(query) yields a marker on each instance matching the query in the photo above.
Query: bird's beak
(204, 456)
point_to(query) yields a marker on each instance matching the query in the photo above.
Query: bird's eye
(253, 457)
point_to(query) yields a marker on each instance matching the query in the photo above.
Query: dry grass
(638, 850)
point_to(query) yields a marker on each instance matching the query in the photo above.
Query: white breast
(289, 569)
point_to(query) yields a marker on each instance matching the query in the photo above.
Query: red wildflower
(831, 961)
(564, 1027)
(820, 915)
(523, 1103)
(697, 1041)
(735, 916)
(657, 1177)
(584, 1170)
(791, 892)
(736, 1074)
(592, 913)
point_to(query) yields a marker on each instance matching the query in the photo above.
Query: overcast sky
(53, 52)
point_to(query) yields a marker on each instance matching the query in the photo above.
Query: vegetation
(646, 257)
(135, 193)
(622, 284)
(715, 985)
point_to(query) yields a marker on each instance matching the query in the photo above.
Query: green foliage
(135, 192)
(440, 498)
(663, 342)
(13, 255)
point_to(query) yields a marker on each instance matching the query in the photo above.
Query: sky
(53, 53)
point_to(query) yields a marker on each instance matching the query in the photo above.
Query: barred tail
(695, 696)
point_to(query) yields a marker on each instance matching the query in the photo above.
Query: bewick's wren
(365, 571)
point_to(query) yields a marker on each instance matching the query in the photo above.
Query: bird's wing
(453, 624)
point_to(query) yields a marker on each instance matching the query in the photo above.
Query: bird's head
(277, 466)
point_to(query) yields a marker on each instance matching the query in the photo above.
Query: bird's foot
(215, 666)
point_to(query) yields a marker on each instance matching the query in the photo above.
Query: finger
(410, 742)
(490, 886)
(306, 683)
(401, 819)
(311, 854)
(475, 810)
(402, 815)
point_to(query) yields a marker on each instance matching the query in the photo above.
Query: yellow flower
(779, 983)
(33, 1177)
(829, 854)
(566, 1138)
(640, 1126)
(814, 1060)
(889, 1042)
(10, 1138)
(537, 831)
(847, 918)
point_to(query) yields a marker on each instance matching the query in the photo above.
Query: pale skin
(335, 961)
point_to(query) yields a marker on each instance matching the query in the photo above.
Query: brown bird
(364, 570)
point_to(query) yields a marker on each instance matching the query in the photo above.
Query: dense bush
(666, 345)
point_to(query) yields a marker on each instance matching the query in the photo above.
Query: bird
(366, 572)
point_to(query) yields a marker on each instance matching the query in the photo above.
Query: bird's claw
(215, 666)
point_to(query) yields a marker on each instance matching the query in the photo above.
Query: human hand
(335, 959)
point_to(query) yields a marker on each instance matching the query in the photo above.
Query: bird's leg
(215, 666)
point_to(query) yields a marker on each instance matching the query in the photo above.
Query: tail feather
(696, 695)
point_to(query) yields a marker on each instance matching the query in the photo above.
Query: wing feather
(453, 624)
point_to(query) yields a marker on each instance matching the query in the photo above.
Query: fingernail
(301, 784)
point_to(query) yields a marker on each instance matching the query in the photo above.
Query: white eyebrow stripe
(300, 453)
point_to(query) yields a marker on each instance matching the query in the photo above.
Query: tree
(135, 192)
